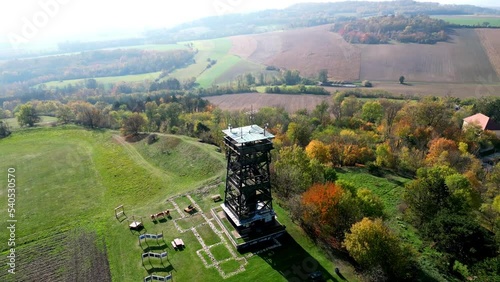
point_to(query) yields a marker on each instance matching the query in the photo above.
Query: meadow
(471, 20)
(107, 80)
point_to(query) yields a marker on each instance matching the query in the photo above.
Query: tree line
(93, 64)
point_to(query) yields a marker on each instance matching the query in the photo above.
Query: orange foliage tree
(328, 211)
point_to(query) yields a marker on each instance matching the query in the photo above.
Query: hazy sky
(34, 20)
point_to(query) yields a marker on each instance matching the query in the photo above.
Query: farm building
(484, 122)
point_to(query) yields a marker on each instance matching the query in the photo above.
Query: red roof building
(484, 122)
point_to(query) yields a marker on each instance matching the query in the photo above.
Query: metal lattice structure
(248, 198)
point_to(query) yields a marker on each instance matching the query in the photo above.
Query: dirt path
(137, 157)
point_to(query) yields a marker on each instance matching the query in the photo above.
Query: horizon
(37, 22)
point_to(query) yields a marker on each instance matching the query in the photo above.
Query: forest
(380, 30)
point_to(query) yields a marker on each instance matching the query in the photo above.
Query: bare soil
(255, 101)
(308, 50)
(490, 39)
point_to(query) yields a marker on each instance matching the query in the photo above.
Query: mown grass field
(69, 180)
(14, 125)
(106, 80)
(471, 20)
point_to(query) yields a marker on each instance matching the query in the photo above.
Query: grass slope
(70, 178)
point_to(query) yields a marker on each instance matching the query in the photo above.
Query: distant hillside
(303, 15)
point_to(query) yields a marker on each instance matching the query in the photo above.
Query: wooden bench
(216, 198)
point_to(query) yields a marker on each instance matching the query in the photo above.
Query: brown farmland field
(490, 38)
(461, 60)
(308, 50)
(247, 101)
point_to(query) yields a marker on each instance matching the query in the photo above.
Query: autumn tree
(443, 151)
(372, 244)
(294, 172)
(27, 115)
(133, 124)
(385, 156)
(328, 212)
(65, 114)
(391, 109)
(319, 151)
(87, 114)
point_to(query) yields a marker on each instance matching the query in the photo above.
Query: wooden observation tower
(248, 199)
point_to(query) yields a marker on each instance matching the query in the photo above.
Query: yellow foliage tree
(372, 244)
(319, 151)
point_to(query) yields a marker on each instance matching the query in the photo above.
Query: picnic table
(135, 225)
(177, 243)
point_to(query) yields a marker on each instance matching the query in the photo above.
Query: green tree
(249, 79)
(91, 83)
(133, 124)
(300, 130)
(27, 115)
(459, 235)
(294, 172)
(4, 129)
(336, 106)
(350, 106)
(372, 112)
(321, 112)
(401, 80)
(323, 75)
(371, 205)
(372, 244)
(428, 194)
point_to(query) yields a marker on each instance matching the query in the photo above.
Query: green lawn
(471, 20)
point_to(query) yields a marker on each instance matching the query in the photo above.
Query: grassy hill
(71, 179)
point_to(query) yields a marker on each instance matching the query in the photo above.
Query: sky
(25, 21)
